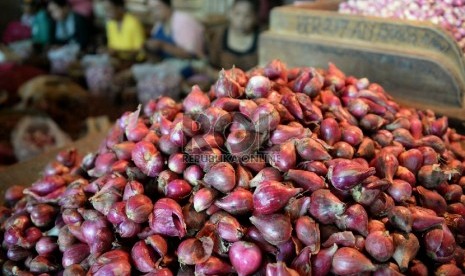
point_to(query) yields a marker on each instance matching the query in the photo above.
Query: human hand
(154, 44)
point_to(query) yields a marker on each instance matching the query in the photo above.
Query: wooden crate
(417, 62)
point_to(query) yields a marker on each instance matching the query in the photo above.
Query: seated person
(176, 39)
(125, 33)
(19, 30)
(237, 44)
(41, 24)
(28, 12)
(176, 34)
(82, 7)
(68, 26)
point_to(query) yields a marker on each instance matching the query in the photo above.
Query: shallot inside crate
(418, 63)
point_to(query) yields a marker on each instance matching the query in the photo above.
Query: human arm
(156, 45)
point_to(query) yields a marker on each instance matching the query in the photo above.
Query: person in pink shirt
(176, 34)
(82, 7)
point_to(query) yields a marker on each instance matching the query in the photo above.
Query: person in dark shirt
(68, 26)
(237, 43)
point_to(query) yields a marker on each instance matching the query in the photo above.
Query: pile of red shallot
(277, 171)
(449, 14)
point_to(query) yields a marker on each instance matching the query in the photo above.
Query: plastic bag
(34, 135)
(157, 80)
(99, 74)
(61, 58)
(154, 87)
(22, 49)
(99, 79)
(95, 60)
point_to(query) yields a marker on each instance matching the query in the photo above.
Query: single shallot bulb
(325, 206)
(310, 150)
(354, 218)
(193, 174)
(17, 253)
(138, 208)
(276, 228)
(308, 181)
(308, 232)
(221, 177)
(346, 175)
(114, 262)
(380, 245)
(411, 159)
(302, 263)
(204, 198)
(284, 133)
(196, 101)
(194, 251)
(417, 268)
(245, 257)
(330, 131)
(406, 248)
(75, 254)
(258, 87)
(46, 246)
(401, 218)
(345, 238)
(132, 188)
(177, 189)
(147, 158)
(228, 104)
(321, 262)
(227, 85)
(143, 257)
(167, 218)
(271, 196)
(366, 149)
(432, 200)
(386, 165)
(237, 202)
(283, 157)
(440, 244)
(424, 218)
(265, 118)
(265, 174)
(213, 266)
(349, 261)
(352, 135)
(297, 208)
(400, 190)
(229, 229)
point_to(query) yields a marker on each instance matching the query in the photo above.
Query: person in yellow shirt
(125, 33)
